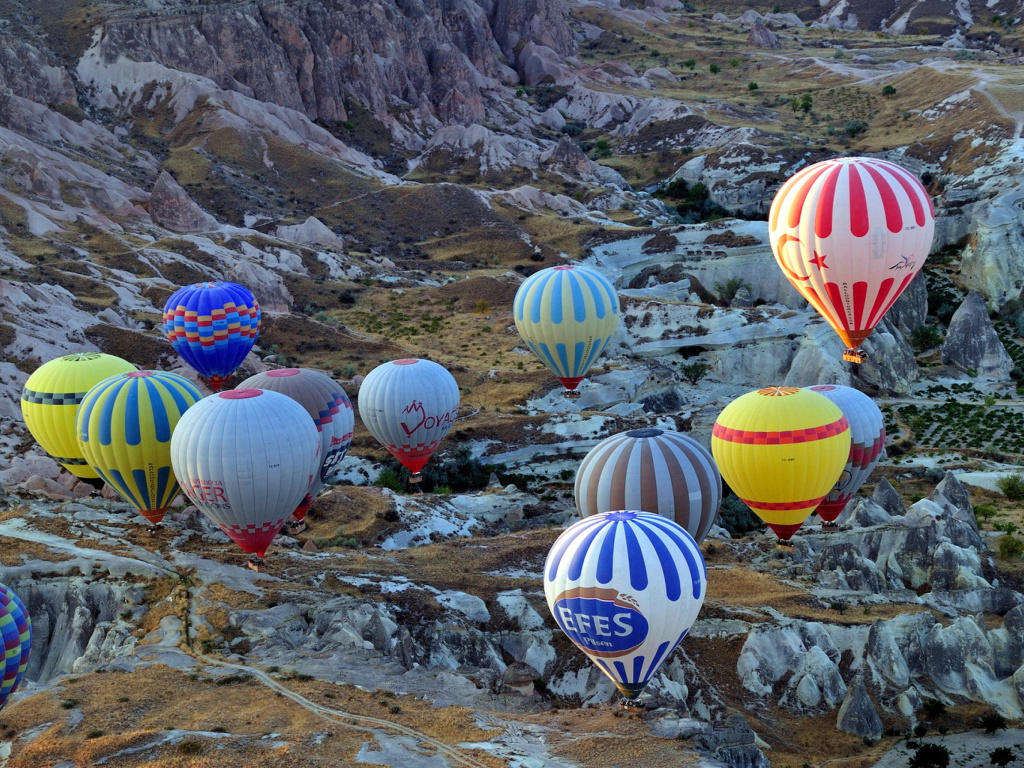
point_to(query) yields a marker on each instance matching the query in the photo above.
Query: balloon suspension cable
(571, 394)
(255, 563)
(855, 356)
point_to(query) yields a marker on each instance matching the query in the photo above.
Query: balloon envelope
(850, 234)
(867, 439)
(409, 406)
(246, 458)
(124, 430)
(626, 587)
(566, 315)
(50, 400)
(329, 407)
(16, 633)
(781, 449)
(212, 326)
(655, 470)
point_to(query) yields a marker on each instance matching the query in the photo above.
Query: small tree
(930, 756)
(694, 372)
(1001, 756)
(991, 722)
(1012, 486)
(806, 102)
(714, 69)
(889, 91)
(734, 62)
(483, 307)
(933, 708)
(752, 86)
(984, 512)
(690, 64)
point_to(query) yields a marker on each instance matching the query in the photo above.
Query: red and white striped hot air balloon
(850, 234)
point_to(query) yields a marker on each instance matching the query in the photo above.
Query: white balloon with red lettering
(626, 587)
(409, 406)
(246, 458)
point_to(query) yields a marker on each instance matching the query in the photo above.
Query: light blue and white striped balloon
(626, 587)
(566, 315)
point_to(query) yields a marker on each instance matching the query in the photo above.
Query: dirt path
(346, 719)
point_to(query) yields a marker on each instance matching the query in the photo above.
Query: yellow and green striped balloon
(50, 399)
(124, 430)
(567, 315)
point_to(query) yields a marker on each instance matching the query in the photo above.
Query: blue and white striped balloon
(625, 587)
(566, 315)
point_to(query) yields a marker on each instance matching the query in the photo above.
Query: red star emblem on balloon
(819, 261)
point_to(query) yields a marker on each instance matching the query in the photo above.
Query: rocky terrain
(382, 176)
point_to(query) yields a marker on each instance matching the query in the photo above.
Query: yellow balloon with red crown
(781, 450)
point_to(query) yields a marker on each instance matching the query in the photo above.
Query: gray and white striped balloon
(655, 470)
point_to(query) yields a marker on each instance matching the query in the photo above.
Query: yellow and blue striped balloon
(50, 400)
(16, 634)
(124, 429)
(566, 315)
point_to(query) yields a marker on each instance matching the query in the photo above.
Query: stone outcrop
(171, 207)
(310, 58)
(972, 342)
(33, 73)
(762, 37)
(911, 309)
(858, 715)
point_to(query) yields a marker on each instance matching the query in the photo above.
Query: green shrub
(889, 91)
(930, 756)
(714, 69)
(736, 517)
(1001, 756)
(727, 291)
(1010, 547)
(1012, 486)
(854, 127)
(752, 86)
(933, 708)
(925, 337)
(389, 478)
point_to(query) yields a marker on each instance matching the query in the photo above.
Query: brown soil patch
(499, 294)
(149, 351)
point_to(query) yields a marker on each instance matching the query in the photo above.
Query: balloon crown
(645, 432)
(240, 394)
(80, 356)
(778, 391)
(621, 516)
(406, 361)
(282, 372)
(138, 374)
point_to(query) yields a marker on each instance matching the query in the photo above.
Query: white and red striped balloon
(867, 439)
(850, 234)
